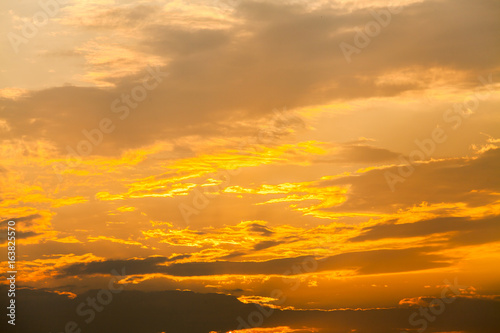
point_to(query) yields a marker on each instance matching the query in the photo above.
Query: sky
(251, 166)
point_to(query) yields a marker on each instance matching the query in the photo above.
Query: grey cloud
(465, 230)
(266, 244)
(360, 154)
(182, 311)
(234, 255)
(367, 262)
(19, 235)
(278, 55)
(472, 181)
(23, 222)
(133, 266)
(261, 229)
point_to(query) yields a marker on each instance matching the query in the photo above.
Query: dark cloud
(471, 181)
(367, 154)
(385, 261)
(261, 229)
(233, 255)
(361, 154)
(21, 222)
(367, 262)
(178, 311)
(266, 244)
(133, 266)
(19, 235)
(462, 230)
(24, 220)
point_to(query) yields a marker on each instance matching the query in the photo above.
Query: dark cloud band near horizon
(290, 166)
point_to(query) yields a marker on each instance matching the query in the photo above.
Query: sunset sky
(333, 162)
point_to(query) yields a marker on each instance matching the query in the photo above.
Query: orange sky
(240, 147)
